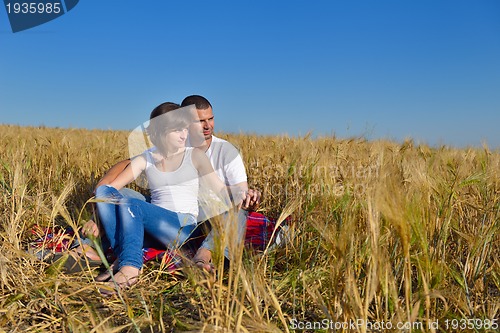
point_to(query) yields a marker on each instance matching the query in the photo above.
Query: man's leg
(204, 254)
(196, 238)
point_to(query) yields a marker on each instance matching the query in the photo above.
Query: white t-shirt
(226, 161)
(176, 191)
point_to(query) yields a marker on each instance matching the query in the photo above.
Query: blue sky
(424, 69)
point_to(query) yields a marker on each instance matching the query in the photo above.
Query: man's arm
(112, 173)
(234, 174)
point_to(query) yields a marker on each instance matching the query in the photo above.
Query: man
(225, 160)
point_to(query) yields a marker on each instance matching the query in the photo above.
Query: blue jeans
(126, 222)
(209, 241)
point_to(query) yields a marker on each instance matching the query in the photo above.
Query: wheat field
(384, 236)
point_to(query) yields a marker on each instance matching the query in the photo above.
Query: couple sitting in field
(192, 176)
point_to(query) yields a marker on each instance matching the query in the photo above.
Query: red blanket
(258, 234)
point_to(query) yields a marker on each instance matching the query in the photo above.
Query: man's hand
(252, 200)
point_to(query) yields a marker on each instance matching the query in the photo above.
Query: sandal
(118, 282)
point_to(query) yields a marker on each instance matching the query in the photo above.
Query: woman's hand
(90, 229)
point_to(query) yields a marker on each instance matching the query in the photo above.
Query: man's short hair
(200, 102)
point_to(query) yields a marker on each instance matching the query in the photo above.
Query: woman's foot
(88, 251)
(125, 278)
(106, 274)
(203, 259)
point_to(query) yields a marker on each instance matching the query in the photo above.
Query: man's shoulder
(217, 139)
(222, 145)
(225, 155)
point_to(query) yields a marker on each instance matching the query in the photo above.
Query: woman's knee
(106, 191)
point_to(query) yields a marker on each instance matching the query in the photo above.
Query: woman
(174, 173)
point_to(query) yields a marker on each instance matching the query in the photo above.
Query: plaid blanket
(259, 231)
(50, 240)
(258, 235)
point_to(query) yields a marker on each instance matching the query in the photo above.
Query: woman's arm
(129, 173)
(209, 181)
(206, 171)
(112, 173)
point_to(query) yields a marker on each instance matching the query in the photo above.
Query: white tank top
(176, 191)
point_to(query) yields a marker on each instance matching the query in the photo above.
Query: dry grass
(380, 231)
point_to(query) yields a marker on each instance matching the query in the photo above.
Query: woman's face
(176, 139)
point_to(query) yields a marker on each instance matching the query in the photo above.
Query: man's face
(206, 122)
